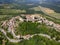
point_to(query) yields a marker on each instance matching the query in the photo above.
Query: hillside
(31, 28)
(29, 22)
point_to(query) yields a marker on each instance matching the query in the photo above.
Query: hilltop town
(12, 23)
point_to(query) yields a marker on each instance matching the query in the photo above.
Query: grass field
(11, 11)
(56, 15)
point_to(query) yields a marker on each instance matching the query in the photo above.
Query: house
(4, 23)
(29, 18)
(19, 18)
(27, 37)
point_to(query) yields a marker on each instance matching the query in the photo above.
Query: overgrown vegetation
(36, 40)
(36, 28)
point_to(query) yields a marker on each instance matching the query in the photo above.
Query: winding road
(10, 40)
(25, 37)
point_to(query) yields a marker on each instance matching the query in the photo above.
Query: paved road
(25, 37)
(10, 40)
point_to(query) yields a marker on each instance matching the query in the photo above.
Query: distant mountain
(29, 1)
(6, 1)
